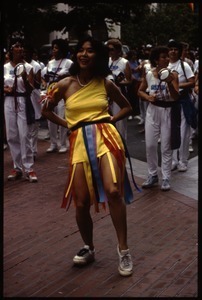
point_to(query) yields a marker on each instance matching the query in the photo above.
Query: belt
(82, 124)
(164, 103)
(17, 94)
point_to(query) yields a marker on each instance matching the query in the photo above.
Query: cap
(173, 44)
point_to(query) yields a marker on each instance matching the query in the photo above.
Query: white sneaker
(84, 256)
(130, 118)
(125, 262)
(63, 150)
(182, 168)
(165, 185)
(137, 117)
(151, 180)
(174, 166)
(31, 176)
(141, 122)
(52, 149)
(191, 149)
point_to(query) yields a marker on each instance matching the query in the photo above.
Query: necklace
(79, 82)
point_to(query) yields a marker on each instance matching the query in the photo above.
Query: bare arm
(55, 95)
(142, 91)
(173, 85)
(196, 87)
(128, 75)
(188, 84)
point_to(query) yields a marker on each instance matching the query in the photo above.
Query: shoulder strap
(182, 65)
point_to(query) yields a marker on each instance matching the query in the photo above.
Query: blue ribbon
(90, 143)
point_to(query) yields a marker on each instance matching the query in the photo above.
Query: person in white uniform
(56, 69)
(122, 76)
(144, 67)
(162, 94)
(35, 97)
(19, 112)
(186, 82)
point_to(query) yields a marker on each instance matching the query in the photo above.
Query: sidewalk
(40, 238)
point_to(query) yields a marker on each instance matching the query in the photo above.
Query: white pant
(34, 129)
(185, 131)
(35, 98)
(158, 123)
(17, 133)
(53, 128)
(143, 108)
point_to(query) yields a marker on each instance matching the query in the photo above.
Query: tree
(33, 17)
(139, 23)
(168, 20)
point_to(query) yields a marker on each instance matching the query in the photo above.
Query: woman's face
(113, 52)
(56, 51)
(17, 49)
(86, 56)
(173, 54)
(163, 60)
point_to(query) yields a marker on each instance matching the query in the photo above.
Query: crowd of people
(87, 101)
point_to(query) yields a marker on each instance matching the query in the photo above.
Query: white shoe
(174, 166)
(137, 117)
(125, 262)
(63, 150)
(151, 180)
(31, 176)
(165, 185)
(182, 168)
(141, 122)
(84, 256)
(130, 118)
(191, 149)
(52, 149)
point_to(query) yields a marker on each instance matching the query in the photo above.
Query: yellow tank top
(90, 103)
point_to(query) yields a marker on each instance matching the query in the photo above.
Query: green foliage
(170, 20)
(139, 24)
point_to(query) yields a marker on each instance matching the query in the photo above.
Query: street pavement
(40, 238)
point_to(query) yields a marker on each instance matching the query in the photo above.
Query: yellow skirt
(105, 140)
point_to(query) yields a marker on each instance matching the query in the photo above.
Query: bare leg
(117, 205)
(83, 217)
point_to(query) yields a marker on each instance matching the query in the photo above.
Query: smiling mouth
(84, 62)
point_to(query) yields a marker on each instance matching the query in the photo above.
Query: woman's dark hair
(131, 54)
(117, 45)
(155, 54)
(62, 45)
(101, 67)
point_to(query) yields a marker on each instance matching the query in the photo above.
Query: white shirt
(59, 67)
(176, 66)
(9, 76)
(118, 65)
